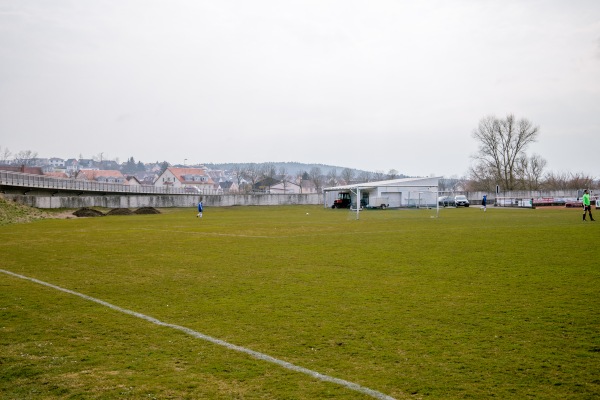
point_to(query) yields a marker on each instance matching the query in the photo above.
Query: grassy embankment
(471, 305)
(14, 213)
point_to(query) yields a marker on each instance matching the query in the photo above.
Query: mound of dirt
(120, 211)
(88, 212)
(147, 210)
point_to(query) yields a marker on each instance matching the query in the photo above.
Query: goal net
(422, 199)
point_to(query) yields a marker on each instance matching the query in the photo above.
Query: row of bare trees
(502, 160)
(549, 181)
(23, 157)
(255, 173)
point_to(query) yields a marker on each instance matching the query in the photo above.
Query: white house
(186, 177)
(72, 166)
(285, 187)
(57, 162)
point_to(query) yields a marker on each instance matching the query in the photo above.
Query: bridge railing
(20, 179)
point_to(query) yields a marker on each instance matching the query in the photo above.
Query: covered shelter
(394, 193)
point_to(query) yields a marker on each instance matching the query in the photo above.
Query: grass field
(503, 304)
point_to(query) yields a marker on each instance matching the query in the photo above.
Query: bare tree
(332, 177)
(283, 171)
(316, 178)
(482, 179)
(300, 176)
(392, 174)
(25, 157)
(365, 176)
(347, 175)
(268, 170)
(579, 180)
(4, 154)
(556, 181)
(379, 175)
(252, 174)
(238, 174)
(450, 184)
(567, 181)
(502, 142)
(530, 171)
(268, 173)
(284, 177)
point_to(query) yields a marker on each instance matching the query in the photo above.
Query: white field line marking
(261, 356)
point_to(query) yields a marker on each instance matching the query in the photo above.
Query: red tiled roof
(56, 174)
(92, 175)
(180, 172)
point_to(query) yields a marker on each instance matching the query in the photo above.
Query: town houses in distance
(239, 178)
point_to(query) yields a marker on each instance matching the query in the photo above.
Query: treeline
(549, 181)
(502, 160)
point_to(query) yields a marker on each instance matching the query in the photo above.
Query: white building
(193, 178)
(57, 162)
(405, 192)
(286, 187)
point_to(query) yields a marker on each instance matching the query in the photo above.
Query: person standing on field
(586, 205)
(200, 208)
(484, 202)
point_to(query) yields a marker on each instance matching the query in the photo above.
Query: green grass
(499, 304)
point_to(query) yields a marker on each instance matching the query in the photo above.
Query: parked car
(446, 201)
(461, 200)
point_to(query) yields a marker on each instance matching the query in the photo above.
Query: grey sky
(374, 85)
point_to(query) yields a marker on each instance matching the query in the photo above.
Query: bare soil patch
(120, 211)
(147, 210)
(88, 212)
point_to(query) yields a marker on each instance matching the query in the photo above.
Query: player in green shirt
(586, 205)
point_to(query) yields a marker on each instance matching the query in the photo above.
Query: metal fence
(19, 179)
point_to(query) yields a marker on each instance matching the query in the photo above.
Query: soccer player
(200, 208)
(586, 205)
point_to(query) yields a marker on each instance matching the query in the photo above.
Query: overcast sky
(373, 84)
